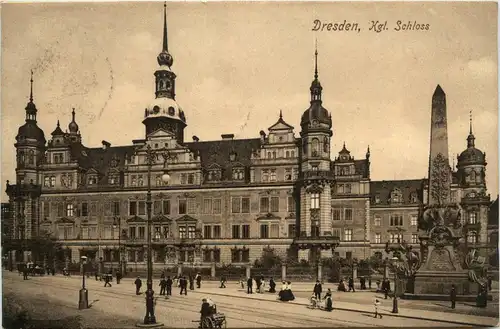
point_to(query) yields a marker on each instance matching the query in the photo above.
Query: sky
(239, 64)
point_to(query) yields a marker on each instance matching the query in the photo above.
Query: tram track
(229, 308)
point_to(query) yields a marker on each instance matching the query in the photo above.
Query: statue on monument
(475, 265)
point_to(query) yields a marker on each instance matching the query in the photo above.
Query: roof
(32, 131)
(218, 152)
(383, 190)
(493, 213)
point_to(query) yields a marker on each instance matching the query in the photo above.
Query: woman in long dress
(282, 294)
(289, 293)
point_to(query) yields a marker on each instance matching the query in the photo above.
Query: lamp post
(150, 318)
(395, 299)
(117, 222)
(83, 302)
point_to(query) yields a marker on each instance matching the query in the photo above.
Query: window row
(270, 175)
(275, 155)
(395, 238)
(396, 220)
(342, 213)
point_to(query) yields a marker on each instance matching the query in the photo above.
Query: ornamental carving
(66, 180)
(476, 266)
(440, 179)
(440, 260)
(441, 236)
(314, 188)
(436, 215)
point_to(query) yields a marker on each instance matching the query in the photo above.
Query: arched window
(287, 154)
(472, 237)
(31, 157)
(326, 145)
(315, 204)
(315, 147)
(52, 181)
(293, 154)
(46, 181)
(274, 154)
(269, 155)
(21, 156)
(472, 176)
(161, 84)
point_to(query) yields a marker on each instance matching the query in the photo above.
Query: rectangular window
(93, 209)
(472, 218)
(336, 214)
(93, 232)
(236, 205)
(69, 210)
(132, 208)
(245, 231)
(116, 208)
(216, 256)
(235, 256)
(348, 255)
(142, 232)
(132, 232)
(414, 238)
(275, 204)
(207, 206)
(245, 255)
(217, 206)
(85, 232)
(191, 179)
(414, 220)
(396, 220)
(236, 232)
(85, 209)
(207, 255)
(191, 232)
(207, 232)
(107, 232)
(348, 214)
(166, 207)
(348, 234)
(377, 238)
(182, 207)
(265, 175)
(183, 179)
(46, 209)
(290, 204)
(377, 221)
(264, 205)
(264, 231)
(156, 207)
(291, 230)
(336, 232)
(182, 232)
(192, 206)
(275, 231)
(142, 208)
(396, 238)
(273, 175)
(131, 256)
(245, 205)
(315, 201)
(217, 232)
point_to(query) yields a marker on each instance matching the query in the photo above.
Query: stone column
(320, 271)
(386, 270)
(248, 271)
(283, 271)
(212, 270)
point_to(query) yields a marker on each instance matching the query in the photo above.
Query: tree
(44, 245)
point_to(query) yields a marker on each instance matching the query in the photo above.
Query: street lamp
(83, 302)
(395, 261)
(117, 222)
(150, 318)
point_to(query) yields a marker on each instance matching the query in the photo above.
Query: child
(377, 304)
(313, 301)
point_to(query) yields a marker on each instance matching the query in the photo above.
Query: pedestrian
(272, 286)
(318, 289)
(107, 280)
(198, 280)
(96, 276)
(138, 284)
(370, 282)
(118, 277)
(169, 286)
(223, 282)
(351, 284)
(163, 286)
(377, 304)
(191, 282)
(453, 296)
(249, 285)
(183, 284)
(25, 273)
(386, 286)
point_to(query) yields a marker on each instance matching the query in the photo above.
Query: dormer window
(92, 180)
(413, 198)
(113, 179)
(377, 199)
(232, 156)
(238, 174)
(396, 196)
(265, 175)
(314, 168)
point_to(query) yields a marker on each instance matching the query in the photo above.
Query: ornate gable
(136, 219)
(186, 219)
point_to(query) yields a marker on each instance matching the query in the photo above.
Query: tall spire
(471, 138)
(281, 114)
(316, 61)
(165, 38)
(31, 87)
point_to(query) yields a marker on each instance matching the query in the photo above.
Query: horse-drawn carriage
(214, 321)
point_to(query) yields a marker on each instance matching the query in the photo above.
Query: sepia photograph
(289, 164)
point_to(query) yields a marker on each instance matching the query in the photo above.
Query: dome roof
(57, 131)
(73, 126)
(165, 108)
(471, 155)
(316, 113)
(31, 131)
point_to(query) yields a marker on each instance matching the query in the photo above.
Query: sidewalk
(364, 308)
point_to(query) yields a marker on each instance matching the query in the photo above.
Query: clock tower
(164, 112)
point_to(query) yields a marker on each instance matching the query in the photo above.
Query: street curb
(359, 311)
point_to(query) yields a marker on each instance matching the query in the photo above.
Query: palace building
(226, 200)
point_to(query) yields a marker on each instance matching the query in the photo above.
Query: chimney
(227, 136)
(195, 139)
(262, 136)
(105, 144)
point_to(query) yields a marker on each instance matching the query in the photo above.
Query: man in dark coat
(107, 280)
(118, 277)
(351, 284)
(272, 286)
(169, 283)
(223, 282)
(191, 282)
(249, 285)
(25, 272)
(138, 284)
(386, 286)
(183, 284)
(205, 311)
(163, 286)
(318, 289)
(453, 296)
